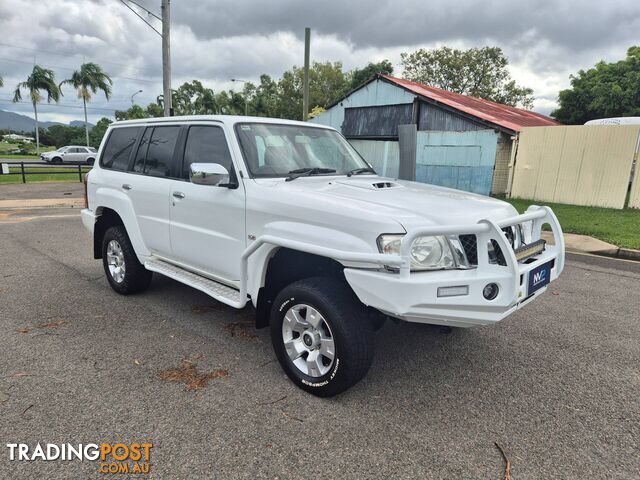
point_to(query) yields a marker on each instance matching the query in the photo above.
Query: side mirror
(208, 174)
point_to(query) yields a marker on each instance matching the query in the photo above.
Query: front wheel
(321, 335)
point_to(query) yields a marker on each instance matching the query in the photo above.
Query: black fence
(18, 168)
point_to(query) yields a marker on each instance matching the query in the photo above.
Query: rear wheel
(90, 161)
(124, 272)
(321, 336)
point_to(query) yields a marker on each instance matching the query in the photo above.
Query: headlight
(427, 253)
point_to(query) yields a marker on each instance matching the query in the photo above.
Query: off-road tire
(351, 330)
(136, 277)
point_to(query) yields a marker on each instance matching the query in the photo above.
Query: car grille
(470, 245)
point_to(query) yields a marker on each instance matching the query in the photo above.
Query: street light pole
(246, 103)
(139, 91)
(166, 56)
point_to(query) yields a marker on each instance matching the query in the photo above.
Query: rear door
(149, 183)
(207, 222)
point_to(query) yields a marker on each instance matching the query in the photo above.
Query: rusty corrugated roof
(508, 117)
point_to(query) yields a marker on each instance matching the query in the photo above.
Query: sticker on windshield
(245, 127)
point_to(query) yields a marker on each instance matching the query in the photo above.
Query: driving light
(490, 291)
(457, 291)
(427, 253)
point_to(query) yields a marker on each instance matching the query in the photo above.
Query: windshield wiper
(358, 171)
(305, 172)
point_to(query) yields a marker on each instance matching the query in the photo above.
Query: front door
(207, 222)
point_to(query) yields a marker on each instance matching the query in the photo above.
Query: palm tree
(40, 79)
(87, 81)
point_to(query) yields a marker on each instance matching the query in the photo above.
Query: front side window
(206, 144)
(272, 150)
(159, 156)
(118, 148)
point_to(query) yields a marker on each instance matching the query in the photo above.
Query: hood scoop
(370, 185)
(381, 185)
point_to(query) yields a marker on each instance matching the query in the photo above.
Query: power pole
(305, 82)
(165, 6)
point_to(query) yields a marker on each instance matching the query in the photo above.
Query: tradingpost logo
(114, 458)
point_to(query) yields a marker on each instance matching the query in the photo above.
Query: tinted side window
(138, 164)
(118, 148)
(206, 144)
(160, 152)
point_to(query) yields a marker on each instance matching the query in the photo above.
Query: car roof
(228, 119)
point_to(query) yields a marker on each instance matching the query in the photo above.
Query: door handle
(126, 186)
(178, 194)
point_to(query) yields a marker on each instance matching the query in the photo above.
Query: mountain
(23, 123)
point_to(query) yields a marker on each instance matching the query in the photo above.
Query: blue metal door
(461, 160)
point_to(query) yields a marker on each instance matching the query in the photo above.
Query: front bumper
(413, 296)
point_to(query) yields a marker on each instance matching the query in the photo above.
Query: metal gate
(580, 165)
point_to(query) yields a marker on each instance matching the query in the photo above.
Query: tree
(1, 81)
(195, 99)
(358, 76)
(87, 81)
(98, 131)
(40, 79)
(479, 72)
(327, 83)
(606, 90)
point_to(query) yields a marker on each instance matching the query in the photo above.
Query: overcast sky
(215, 40)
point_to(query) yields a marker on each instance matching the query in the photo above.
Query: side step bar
(220, 292)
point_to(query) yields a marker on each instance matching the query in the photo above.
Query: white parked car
(288, 217)
(71, 153)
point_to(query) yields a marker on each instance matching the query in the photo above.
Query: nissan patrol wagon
(288, 217)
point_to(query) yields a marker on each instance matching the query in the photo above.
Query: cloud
(214, 41)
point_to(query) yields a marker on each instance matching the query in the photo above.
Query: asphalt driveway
(556, 385)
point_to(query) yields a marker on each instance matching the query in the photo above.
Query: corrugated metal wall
(384, 156)
(462, 160)
(435, 118)
(376, 121)
(580, 165)
(374, 93)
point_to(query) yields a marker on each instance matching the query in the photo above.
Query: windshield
(272, 150)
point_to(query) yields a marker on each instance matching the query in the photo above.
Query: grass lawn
(620, 227)
(6, 147)
(65, 175)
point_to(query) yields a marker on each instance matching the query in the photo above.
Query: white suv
(288, 217)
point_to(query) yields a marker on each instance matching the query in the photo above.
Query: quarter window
(206, 144)
(118, 148)
(160, 152)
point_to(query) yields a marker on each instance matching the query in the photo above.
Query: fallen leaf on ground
(137, 362)
(188, 373)
(239, 329)
(507, 462)
(51, 324)
(20, 374)
(292, 417)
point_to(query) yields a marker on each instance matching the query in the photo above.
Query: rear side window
(159, 156)
(118, 148)
(138, 164)
(206, 144)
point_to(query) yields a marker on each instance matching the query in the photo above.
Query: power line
(9, 102)
(140, 16)
(73, 69)
(38, 50)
